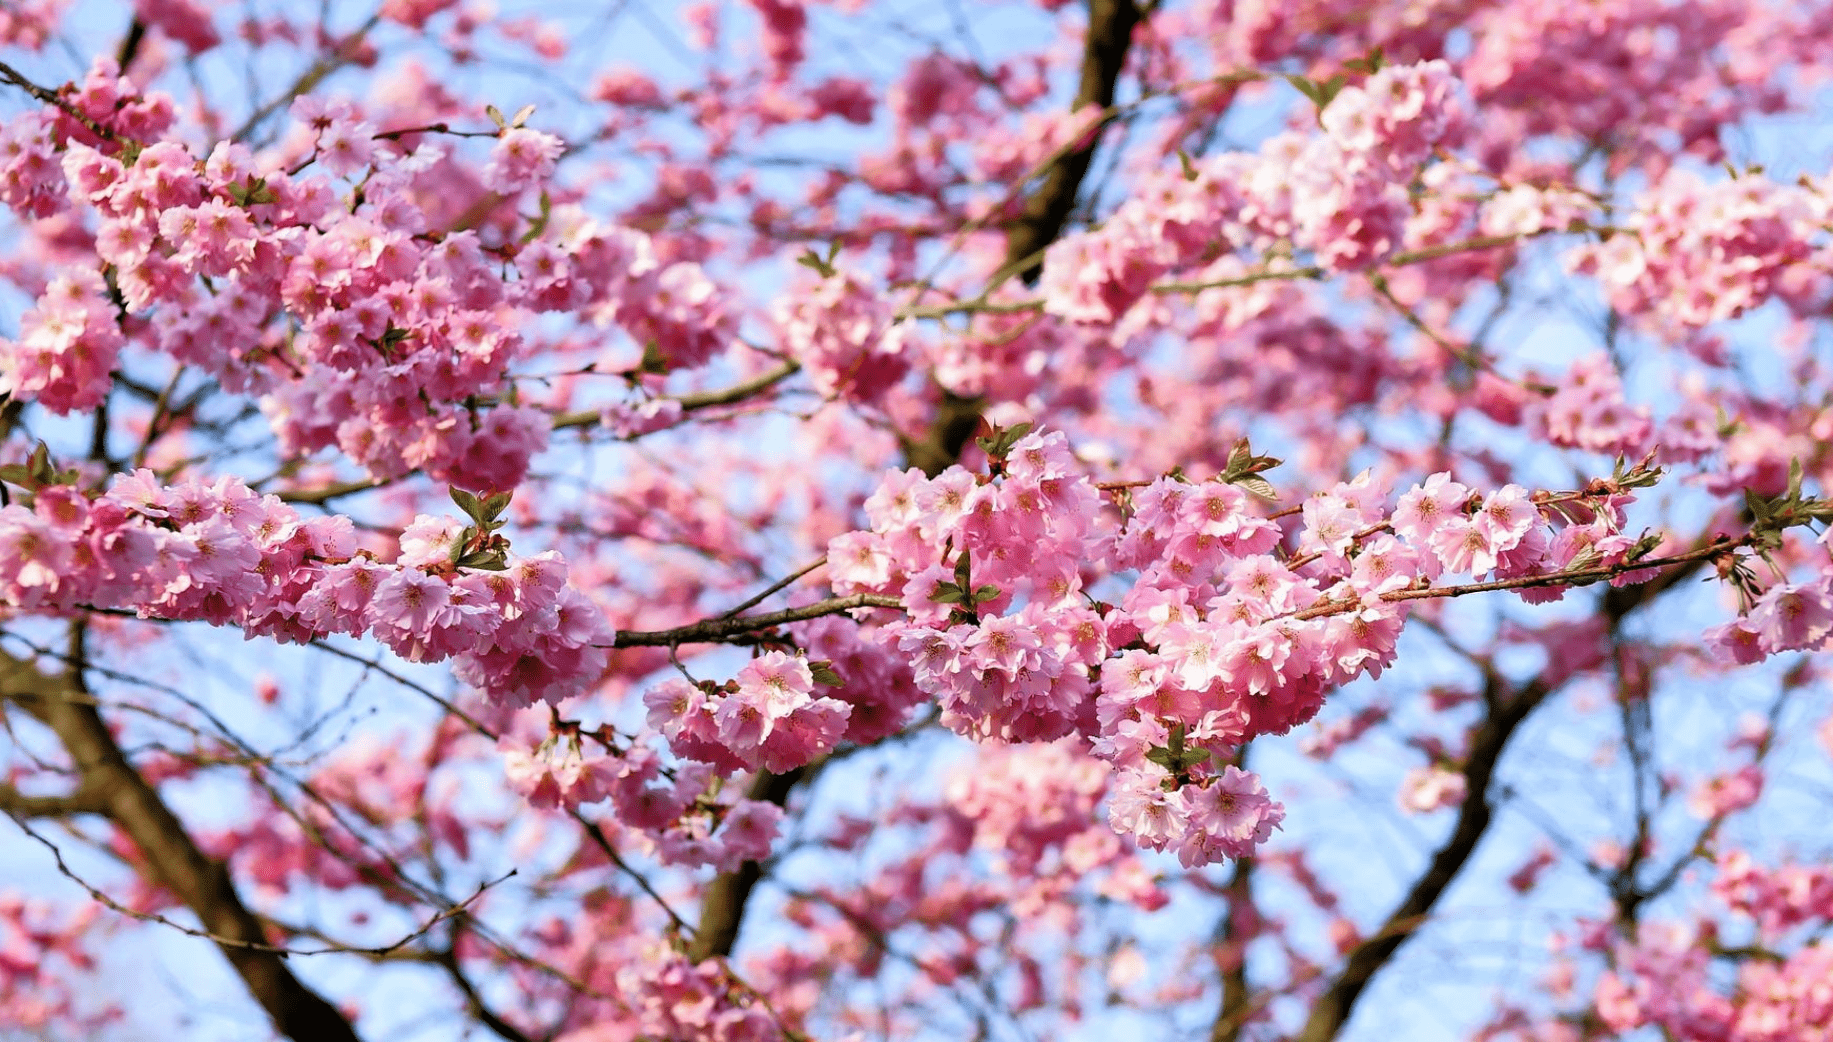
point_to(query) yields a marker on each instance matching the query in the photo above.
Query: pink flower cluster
(221, 554)
(876, 679)
(1032, 810)
(1698, 252)
(1340, 195)
(1779, 899)
(1217, 640)
(665, 996)
(1426, 789)
(1664, 980)
(674, 810)
(66, 348)
(29, 23)
(1727, 793)
(844, 335)
(522, 159)
(366, 327)
(1587, 410)
(1786, 617)
(1226, 818)
(769, 716)
(34, 939)
(31, 181)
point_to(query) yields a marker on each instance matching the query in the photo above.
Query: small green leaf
(948, 593)
(1306, 87)
(469, 504)
(985, 593)
(486, 560)
(496, 116)
(495, 505)
(813, 260)
(1258, 486)
(539, 224)
(1369, 64)
(39, 464)
(459, 544)
(653, 362)
(521, 116)
(823, 672)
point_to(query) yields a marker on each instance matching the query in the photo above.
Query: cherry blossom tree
(828, 520)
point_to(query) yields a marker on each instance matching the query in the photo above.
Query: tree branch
(19, 805)
(64, 704)
(1041, 221)
(1332, 1010)
(713, 630)
(566, 421)
(722, 909)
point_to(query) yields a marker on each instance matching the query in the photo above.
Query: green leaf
(985, 593)
(823, 672)
(495, 505)
(1258, 486)
(469, 504)
(486, 560)
(961, 567)
(1306, 87)
(948, 593)
(653, 362)
(496, 116)
(459, 544)
(1368, 64)
(42, 470)
(539, 224)
(811, 259)
(1238, 457)
(521, 116)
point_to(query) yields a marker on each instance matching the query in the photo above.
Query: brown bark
(1508, 709)
(1041, 220)
(109, 785)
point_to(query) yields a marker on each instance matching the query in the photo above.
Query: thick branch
(1238, 927)
(1333, 1008)
(1041, 221)
(1110, 34)
(722, 909)
(20, 805)
(63, 704)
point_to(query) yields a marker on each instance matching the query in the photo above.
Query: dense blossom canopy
(829, 520)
